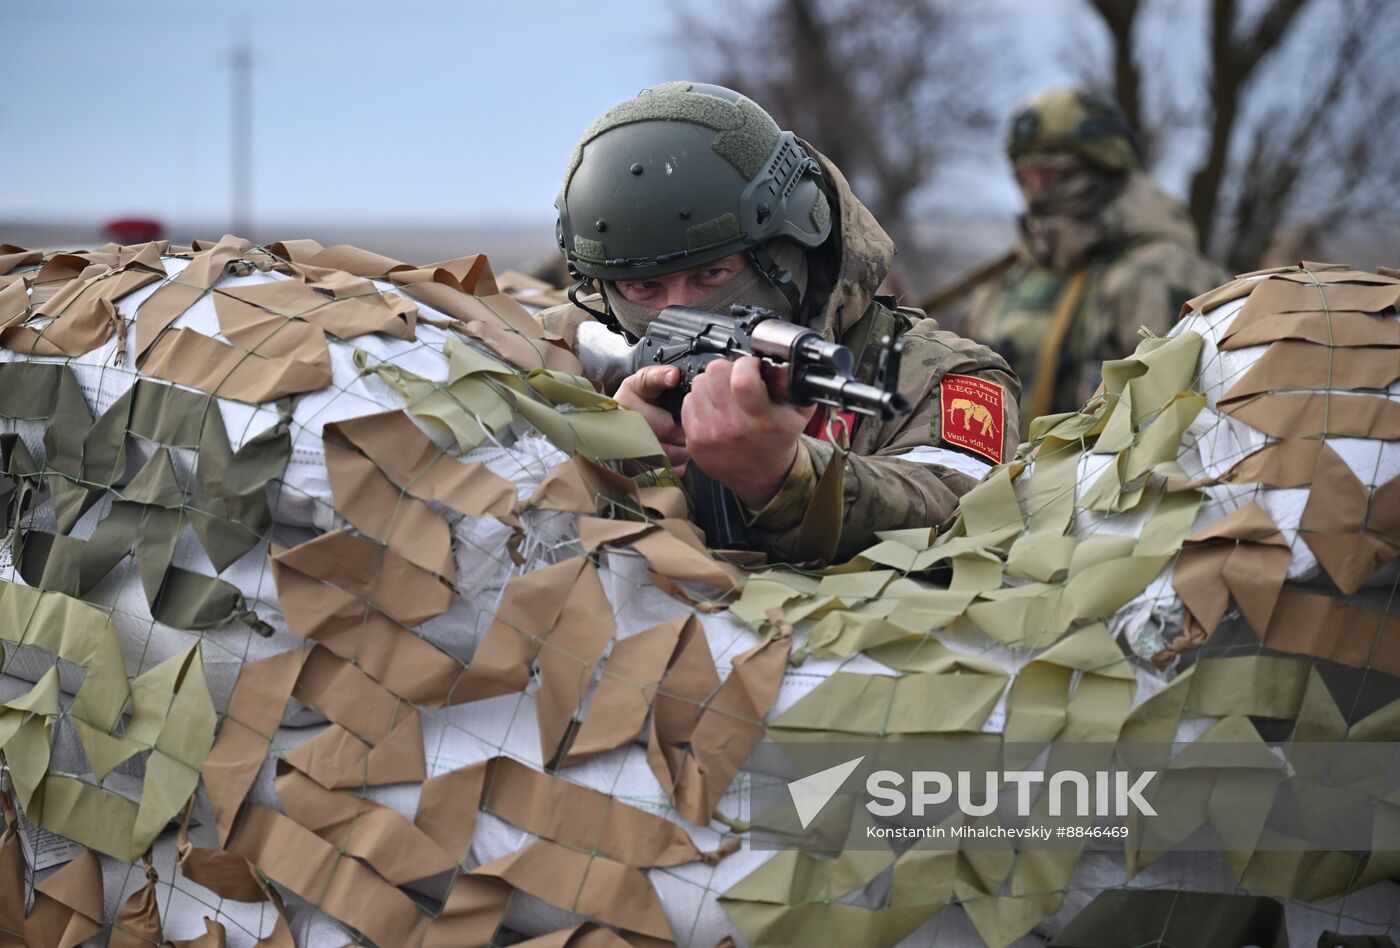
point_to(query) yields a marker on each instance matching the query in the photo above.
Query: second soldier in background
(1103, 251)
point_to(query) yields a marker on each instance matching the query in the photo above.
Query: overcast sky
(434, 112)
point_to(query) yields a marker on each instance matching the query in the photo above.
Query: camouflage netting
(328, 616)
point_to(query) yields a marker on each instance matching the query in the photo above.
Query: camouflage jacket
(1132, 266)
(906, 472)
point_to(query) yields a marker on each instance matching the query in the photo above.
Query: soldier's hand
(737, 433)
(640, 392)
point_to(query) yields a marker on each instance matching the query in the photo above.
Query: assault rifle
(799, 366)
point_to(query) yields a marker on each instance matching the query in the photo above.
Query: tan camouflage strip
(81, 315)
(169, 302)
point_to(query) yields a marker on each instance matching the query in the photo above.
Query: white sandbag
(1213, 444)
(303, 497)
(1216, 441)
(455, 737)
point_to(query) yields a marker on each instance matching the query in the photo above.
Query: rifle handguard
(799, 365)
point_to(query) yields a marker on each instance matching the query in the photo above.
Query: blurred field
(510, 247)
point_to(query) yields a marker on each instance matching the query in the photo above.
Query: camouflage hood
(855, 263)
(1140, 213)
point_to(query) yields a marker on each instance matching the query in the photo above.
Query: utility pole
(241, 132)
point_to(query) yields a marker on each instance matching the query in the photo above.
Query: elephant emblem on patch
(972, 412)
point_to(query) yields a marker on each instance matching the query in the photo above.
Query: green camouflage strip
(226, 504)
(172, 720)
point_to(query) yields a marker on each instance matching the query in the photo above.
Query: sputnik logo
(812, 793)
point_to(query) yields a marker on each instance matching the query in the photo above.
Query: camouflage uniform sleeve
(1147, 285)
(881, 489)
(785, 511)
(985, 298)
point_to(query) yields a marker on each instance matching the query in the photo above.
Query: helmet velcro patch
(746, 133)
(714, 231)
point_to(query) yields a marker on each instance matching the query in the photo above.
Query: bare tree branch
(1271, 158)
(1273, 24)
(1233, 62)
(1298, 119)
(1120, 16)
(1332, 156)
(885, 88)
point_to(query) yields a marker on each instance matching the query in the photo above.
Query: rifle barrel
(851, 395)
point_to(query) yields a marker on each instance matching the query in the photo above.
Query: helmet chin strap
(778, 277)
(606, 316)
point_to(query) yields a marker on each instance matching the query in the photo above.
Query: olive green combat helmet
(1077, 120)
(682, 175)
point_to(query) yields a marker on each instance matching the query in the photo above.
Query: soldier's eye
(640, 292)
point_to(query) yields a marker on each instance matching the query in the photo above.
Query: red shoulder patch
(973, 414)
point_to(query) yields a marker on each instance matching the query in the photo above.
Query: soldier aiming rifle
(691, 195)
